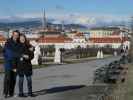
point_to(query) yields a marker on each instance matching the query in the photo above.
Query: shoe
(22, 95)
(11, 95)
(32, 95)
(15, 95)
(5, 96)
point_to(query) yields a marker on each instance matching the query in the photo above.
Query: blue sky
(71, 11)
(112, 7)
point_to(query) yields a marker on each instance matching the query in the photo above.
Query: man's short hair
(17, 31)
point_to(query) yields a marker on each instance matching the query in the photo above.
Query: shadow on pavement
(57, 89)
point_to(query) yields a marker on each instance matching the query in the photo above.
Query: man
(10, 56)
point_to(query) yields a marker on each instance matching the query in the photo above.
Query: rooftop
(58, 39)
(108, 40)
(105, 28)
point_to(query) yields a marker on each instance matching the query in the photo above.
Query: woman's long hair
(27, 43)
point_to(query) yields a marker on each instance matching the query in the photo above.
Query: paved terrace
(63, 82)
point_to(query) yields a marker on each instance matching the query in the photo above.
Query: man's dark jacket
(11, 55)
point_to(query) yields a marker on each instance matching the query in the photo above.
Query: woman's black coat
(24, 65)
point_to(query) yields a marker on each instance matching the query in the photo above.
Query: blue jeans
(29, 84)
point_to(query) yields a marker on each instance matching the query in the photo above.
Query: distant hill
(26, 24)
(33, 24)
(72, 21)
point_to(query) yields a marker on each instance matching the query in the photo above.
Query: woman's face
(22, 39)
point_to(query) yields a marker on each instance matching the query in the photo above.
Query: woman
(24, 66)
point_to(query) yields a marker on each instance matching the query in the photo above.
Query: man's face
(15, 35)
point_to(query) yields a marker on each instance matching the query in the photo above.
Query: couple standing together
(18, 54)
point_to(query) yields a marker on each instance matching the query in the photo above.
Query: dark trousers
(9, 82)
(29, 84)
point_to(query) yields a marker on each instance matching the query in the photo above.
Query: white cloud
(69, 17)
